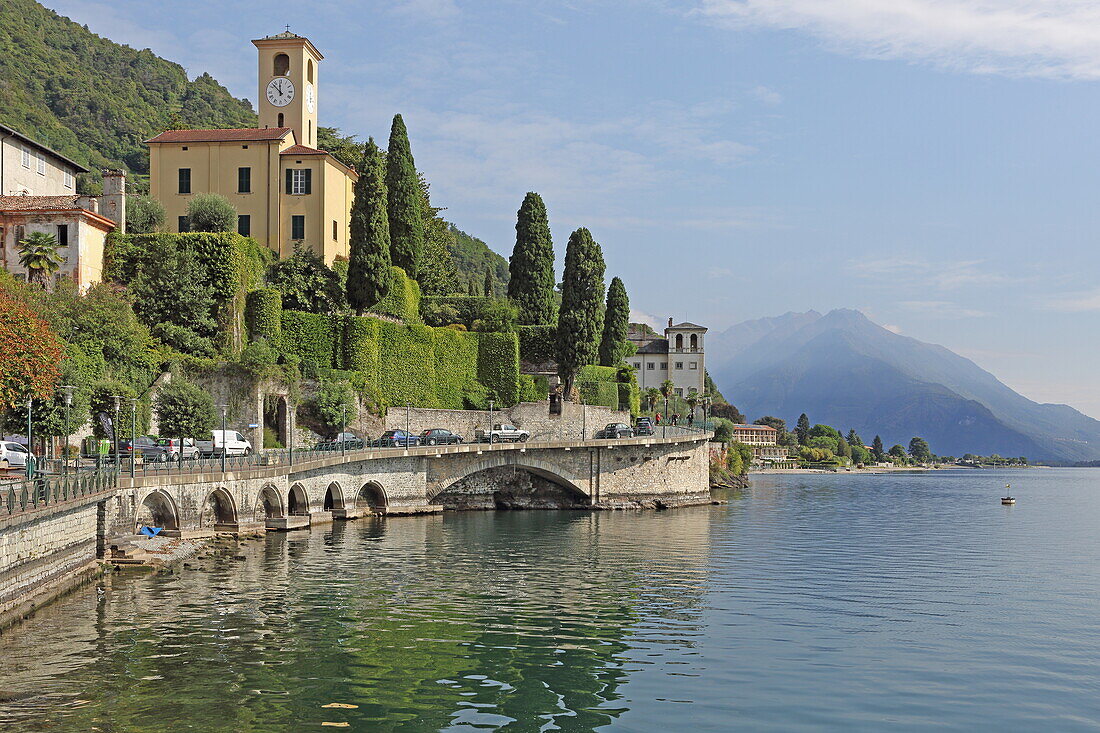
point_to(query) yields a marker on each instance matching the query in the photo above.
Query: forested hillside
(94, 100)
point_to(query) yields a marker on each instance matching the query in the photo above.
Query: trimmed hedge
(263, 315)
(443, 310)
(455, 367)
(533, 389)
(309, 336)
(599, 385)
(403, 299)
(359, 346)
(498, 365)
(406, 370)
(536, 343)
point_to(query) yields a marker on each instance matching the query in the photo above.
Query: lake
(816, 602)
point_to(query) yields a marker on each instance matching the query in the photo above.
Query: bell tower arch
(288, 72)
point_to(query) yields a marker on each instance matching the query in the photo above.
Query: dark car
(440, 436)
(643, 426)
(398, 439)
(343, 441)
(615, 430)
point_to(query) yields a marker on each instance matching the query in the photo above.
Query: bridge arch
(297, 501)
(269, 504)
(334, 497)
(218, 508)
(372, 495)
(498, 482)
(158, 510)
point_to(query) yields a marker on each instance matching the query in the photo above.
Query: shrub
(498, 365)
(211, 212)
(599, 385)
(498, 317)
(144, 215)
(263, 315)
(536, 343)
(310, 337)
(330, 405)
(184, 410)
(403, 299)
(464, 309)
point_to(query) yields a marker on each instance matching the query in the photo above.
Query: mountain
(844, 370)
(472, 256)
(94, 100)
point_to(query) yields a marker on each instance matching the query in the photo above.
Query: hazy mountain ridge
(844, 370)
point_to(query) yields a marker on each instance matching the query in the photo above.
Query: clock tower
(288, 84)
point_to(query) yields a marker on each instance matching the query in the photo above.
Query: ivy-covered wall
(263, 315)
(609, 386)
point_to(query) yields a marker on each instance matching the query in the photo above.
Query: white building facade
(28, 168)
(678, 357)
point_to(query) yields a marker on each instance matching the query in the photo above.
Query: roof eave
(15, 133)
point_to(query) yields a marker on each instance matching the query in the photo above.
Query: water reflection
(514, 621)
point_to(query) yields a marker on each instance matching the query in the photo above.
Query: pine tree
(531, 267)
(616, 323)
(580, 320)
(802, 429)
(403, 197)
(878, 448)
(437, 273)
(369, 265)
(853, 438)
(488, 287)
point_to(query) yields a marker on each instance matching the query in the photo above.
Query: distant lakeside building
(678, 357)
(287, 192)
(38, 194)
(764, 441)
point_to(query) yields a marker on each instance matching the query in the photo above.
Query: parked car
(170, 449)
(440, 436)
(615, 430)
(12, 455)
(343, 441)
(643, 426)
(229, 442)
(145, 445)
(398, 439)
(502, 433)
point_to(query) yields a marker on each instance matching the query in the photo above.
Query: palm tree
(666, 388)
(693, 400)
(38, 253)
(652, 397)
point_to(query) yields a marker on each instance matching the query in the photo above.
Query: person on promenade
(658, 418)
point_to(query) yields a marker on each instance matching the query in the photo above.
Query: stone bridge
(630, 473)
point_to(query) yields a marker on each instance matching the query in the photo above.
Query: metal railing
(43, 491)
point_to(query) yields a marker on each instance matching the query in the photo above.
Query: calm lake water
(815, 602)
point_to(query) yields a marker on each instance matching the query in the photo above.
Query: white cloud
(892, 328)
(767, 96)
(941, 309)
(1080, 302)
(1047, 38)
(637, 316)
(941, 275)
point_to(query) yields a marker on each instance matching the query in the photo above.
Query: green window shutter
(307, 181)
(289, 181)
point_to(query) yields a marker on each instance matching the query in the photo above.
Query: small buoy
(1008, 500)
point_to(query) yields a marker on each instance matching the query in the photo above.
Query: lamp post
(290, 432)
(490, 423)
(584, 420)
(224, 409)
(408, 422)
(133, 437)
(68, 404)
(664, 423)
(30, 442)
(343, 426)
(118, 453)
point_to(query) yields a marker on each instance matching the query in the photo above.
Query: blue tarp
(151, 531)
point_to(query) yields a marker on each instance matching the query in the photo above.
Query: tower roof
(287, 38)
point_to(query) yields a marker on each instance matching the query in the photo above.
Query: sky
(933, 163)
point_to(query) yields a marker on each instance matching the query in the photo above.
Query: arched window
(282, 64)
(679, 341)
(309, 71)
(694, 341)
(280, 120)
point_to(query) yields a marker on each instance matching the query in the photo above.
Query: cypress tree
(878, 448)
(580, 320)
(531, 267)
(616, 323)
(802, 429)
(369, 261)
(403, 197)
(488, 281)
(473, 289)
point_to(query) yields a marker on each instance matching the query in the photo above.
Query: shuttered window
(299, 181)
(297, 227)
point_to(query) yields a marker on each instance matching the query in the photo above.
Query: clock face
(280, 92)
(311, 102)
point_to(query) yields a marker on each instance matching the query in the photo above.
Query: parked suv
(343, 441)
(502, 433)
(170, 449)
(616, 430)
(440, 436)
(643, 426)
(12, 455)
(229, 442)
(398, 439)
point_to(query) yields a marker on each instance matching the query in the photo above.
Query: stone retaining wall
(574, 421)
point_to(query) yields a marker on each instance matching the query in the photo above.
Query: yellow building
(285, 190)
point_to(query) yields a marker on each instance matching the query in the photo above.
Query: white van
(12, 454)
(230, 442)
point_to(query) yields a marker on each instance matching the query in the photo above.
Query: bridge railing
(43, 491)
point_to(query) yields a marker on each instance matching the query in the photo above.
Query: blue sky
(933, 163)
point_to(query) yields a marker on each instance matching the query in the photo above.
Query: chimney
(112, 204)
(670, 323)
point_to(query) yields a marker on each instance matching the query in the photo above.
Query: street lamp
(490, 423)
(117, 399)
(664, 423)
(30, 442)
(68, 404)
(584, 419)
(224, 408)
(343, 426)
(408, 422)
(133, 437)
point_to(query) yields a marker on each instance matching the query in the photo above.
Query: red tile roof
(38, 203)
(302, 150)
(216, 136)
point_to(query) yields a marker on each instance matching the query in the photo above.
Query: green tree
(652, 397)
(211, 212)
(101, 406)
(667, 388)
(580, 319)
(853, 438)
(919, 450)
(403, 198)
(825, 430)
(182, 321)
(184, 410)
(306, 283)
(860, 454)
(38, 254)
(488, 286)
(498, 317)
(438, 274)
(616, 324)
(878, 449)
(471, 289)
(327, 409)
(369, 265)
(898, 453)
(144, 215)
(802, 429)
(531, 267)
(843, 449)
(824, 442)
